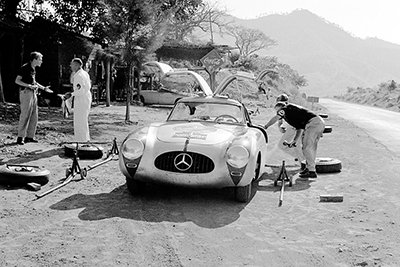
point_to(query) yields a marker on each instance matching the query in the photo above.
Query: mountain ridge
(330, 58)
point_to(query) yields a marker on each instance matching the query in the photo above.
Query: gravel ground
(96, 221)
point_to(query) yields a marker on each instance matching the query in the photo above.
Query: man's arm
(19, 81)
(80, 85)
(272, 121)
(296, 137)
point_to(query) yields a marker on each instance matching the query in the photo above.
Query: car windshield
(217, 112)
(180, 84)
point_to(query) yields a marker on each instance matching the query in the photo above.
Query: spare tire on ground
(325, 165)
(328, 129)
(85, 151)
(323, 115)
(23, 174)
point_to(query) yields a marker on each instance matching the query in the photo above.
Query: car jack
(69, 175)
(75, 169)
(283, 177)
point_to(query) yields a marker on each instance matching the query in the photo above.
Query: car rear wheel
(135, 187)
(135, 98)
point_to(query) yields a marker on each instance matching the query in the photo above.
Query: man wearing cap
(307, 124)
(288, 133)
(82, 100)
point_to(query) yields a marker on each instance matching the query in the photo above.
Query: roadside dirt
(97, 222)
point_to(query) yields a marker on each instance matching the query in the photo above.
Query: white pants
(288, 136)
(81, 118)
(312, 133)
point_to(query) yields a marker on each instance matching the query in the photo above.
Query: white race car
(206, 142)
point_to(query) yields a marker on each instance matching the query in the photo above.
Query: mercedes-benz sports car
(206, 142)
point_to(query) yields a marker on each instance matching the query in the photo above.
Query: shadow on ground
(209, 208)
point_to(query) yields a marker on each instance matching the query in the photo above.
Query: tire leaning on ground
(328, 129)
(85, 151)
(325, 165)
(22, 175)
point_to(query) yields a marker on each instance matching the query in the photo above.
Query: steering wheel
(227, 116)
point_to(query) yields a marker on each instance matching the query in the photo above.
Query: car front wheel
(135, 187)
(243, 193)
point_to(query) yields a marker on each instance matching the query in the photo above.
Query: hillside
(385, 95)
(330, 58)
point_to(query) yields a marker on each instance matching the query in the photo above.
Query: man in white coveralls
(82, 101)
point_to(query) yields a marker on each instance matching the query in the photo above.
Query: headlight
(132, 149)
(237, 156)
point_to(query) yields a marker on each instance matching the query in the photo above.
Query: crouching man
(308, 125)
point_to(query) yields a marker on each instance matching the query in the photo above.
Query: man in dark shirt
(308, 124)
(28, 98)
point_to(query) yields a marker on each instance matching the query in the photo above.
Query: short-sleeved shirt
(27, 73)
(295, 115)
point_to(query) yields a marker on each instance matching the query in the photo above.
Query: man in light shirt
(82, 100)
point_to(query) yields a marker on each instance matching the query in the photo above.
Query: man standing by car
(28, 88)
(288, 133)
(82, 100)
(308, 124)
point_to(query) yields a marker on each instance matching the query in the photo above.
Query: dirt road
(95, 222)
(381, 124)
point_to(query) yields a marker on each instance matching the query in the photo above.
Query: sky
(362, 18)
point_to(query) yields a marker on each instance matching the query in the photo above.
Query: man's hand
(289, 144)
(47, 89)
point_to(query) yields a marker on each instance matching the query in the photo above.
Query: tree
(249, 41)
(206, 16)
(127, 25)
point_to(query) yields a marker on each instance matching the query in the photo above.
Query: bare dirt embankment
(97, 222)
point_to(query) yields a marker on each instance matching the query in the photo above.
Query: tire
(257, 169)
(328, 129)
(243, 193)
(323, 115)
(22, 175)
(85, 151)
(326, 165)
(135, 187)
(141, 99)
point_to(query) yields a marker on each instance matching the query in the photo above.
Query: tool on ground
(76, 169)
(283, 177)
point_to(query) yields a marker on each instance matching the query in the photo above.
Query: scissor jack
(283, 178)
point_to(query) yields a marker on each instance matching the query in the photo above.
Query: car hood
(199, 132)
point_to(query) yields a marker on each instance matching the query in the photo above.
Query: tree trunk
(108, 81)
(2, 99)
(128, 93)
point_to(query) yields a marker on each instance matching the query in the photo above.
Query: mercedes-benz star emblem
(183, 162)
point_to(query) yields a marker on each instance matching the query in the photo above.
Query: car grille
(200, 163)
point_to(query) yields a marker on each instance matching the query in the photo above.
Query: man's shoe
(20, 141)
(30, 140)
(308, 174)
(305, 170)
